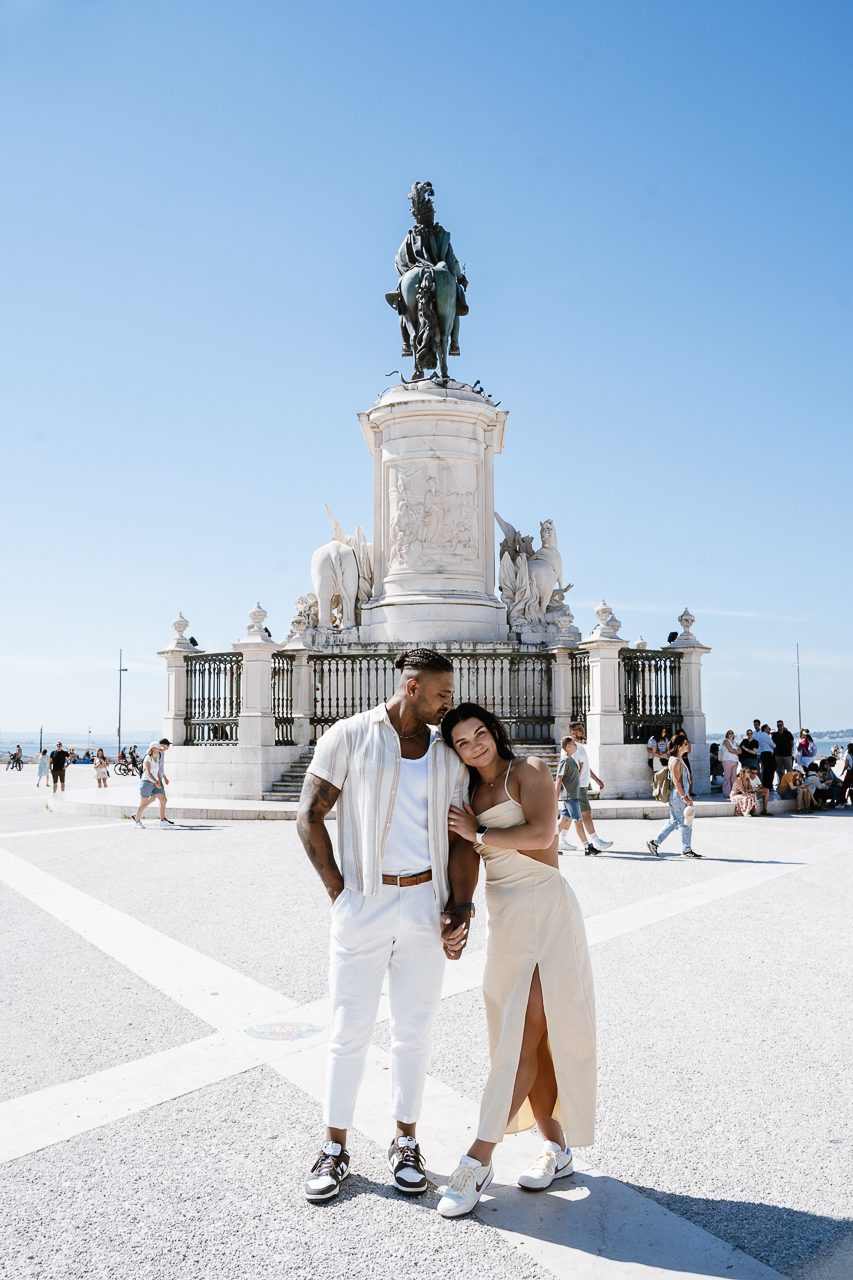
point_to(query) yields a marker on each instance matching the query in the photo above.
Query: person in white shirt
(400, 892)
(593, 842)
(766, 756)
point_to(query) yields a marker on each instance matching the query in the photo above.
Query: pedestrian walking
(682, 807)
(42, 768)
(401, 899)
(729, 758)
(58, 761)
(568, 785)
(153, 783)
(783, 742)
(593, 843)
(102, 768)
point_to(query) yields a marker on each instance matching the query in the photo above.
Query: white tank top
(407, 846)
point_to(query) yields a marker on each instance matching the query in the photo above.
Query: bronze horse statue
(430, 294)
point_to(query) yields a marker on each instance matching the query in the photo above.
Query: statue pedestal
(433, 516)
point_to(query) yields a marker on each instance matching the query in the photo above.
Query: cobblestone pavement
(161, 1057)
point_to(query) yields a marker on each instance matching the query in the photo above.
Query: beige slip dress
(535, 919)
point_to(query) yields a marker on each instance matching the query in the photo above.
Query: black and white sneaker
(652, 847)
(327, 1173)
(690, 853)
(590, 851)
(407, 1165)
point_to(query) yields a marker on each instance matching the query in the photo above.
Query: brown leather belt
(406, 882)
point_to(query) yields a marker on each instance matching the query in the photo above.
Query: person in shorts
(568, 796)
(593, 842)
(58, 761)
(152, 785)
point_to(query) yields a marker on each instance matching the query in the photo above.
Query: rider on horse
(427, 244)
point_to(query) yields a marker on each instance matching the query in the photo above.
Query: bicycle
(14, 762)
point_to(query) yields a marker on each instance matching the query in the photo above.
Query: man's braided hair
(423, 660)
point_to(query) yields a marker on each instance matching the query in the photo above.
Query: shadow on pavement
(806, 1246)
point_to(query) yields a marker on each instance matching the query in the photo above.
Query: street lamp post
(799, 696)
(120, 670)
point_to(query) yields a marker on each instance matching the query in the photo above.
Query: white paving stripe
(64, 1111)
(61, 831)
(212, 991)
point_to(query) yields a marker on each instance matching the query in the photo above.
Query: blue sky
(201, 207)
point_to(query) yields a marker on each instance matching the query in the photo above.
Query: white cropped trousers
(398, 933)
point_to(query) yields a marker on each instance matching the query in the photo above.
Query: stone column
(433, 528)
(562, 692)
(174, 727)
(604, 725)
(303, 696)
(256, 726)
(692, 652)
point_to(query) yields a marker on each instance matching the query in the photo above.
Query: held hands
(462, 822)
(454, 932)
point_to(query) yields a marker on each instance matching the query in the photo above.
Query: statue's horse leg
(445, 302)
(409, 293)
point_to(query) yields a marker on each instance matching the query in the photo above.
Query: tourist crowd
(751, 767)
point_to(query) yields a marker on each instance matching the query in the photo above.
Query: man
(15, 757)
(58, 760)
(783, 742)
(153, 783)
(593, 844)
(766, 756)
(568, 796)
(401, 899)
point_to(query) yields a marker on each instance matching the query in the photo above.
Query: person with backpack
(677, 789)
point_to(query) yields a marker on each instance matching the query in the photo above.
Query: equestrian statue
(430, 294)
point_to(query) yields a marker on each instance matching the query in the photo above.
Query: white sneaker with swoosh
(467, 1183)
(554, 1162)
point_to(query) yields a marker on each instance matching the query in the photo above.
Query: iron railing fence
(650, 690)
(517, 687)
(281, 679)
(579, 667)
(213, 697)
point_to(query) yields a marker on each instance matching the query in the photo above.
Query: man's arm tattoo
(317, 798)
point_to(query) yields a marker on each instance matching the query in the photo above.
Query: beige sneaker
(467, 1183)
(553, 1163)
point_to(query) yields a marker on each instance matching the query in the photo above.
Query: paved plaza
(164, 1020)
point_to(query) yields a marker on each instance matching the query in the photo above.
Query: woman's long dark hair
(473, 711)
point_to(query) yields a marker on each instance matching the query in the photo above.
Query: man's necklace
(404, 737)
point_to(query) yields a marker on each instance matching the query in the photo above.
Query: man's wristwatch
(465, 906)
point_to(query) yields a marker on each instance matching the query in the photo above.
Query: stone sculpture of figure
(306, 614)
(342, 576)
(430, 295)
(528, 578)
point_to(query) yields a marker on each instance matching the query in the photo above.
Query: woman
(729, 758)
(806, 749)
(102, 768)
(543, 1071)
(42, 771)
(746, 793)
(681, 808)
(792, 787)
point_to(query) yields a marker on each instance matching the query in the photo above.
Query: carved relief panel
(433, 516)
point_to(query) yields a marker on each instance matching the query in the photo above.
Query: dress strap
(506, 780)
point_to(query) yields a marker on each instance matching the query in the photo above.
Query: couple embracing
(419, 807)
